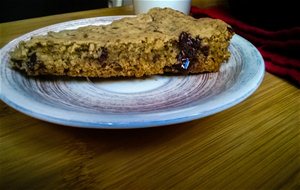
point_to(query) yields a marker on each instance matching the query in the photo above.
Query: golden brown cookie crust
(159, 41)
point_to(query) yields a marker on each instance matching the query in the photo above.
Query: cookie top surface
(164, 24)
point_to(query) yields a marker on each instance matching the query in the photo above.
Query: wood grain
(253, 145)
(11, 30)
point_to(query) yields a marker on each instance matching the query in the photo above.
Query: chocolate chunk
(104, 54)
(17, 63)
(32, 61)
(189, 48)
(188, 45)
(205, 50)
(66, 70)
(32, 58)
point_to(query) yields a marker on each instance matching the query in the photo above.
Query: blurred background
(257, 12)
(12, 10)
(22, 9)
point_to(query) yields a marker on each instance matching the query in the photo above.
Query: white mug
(142, 6)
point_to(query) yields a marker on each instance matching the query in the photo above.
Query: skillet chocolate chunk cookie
(160, 41)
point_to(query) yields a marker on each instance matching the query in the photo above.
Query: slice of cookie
(162, 40)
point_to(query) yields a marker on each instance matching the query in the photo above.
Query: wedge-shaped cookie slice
(163, 40)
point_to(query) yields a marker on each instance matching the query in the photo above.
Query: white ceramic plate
(130, 103)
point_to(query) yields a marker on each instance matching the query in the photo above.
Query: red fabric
(280, 49)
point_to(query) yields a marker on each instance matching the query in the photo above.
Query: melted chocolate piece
(66, 70)
(189, 48)
(32, 61)
(205, 50)
(104, 54)
(18, 63)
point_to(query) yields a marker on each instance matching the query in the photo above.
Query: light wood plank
(253, 145)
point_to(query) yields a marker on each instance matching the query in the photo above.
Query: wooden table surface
(253, 145)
